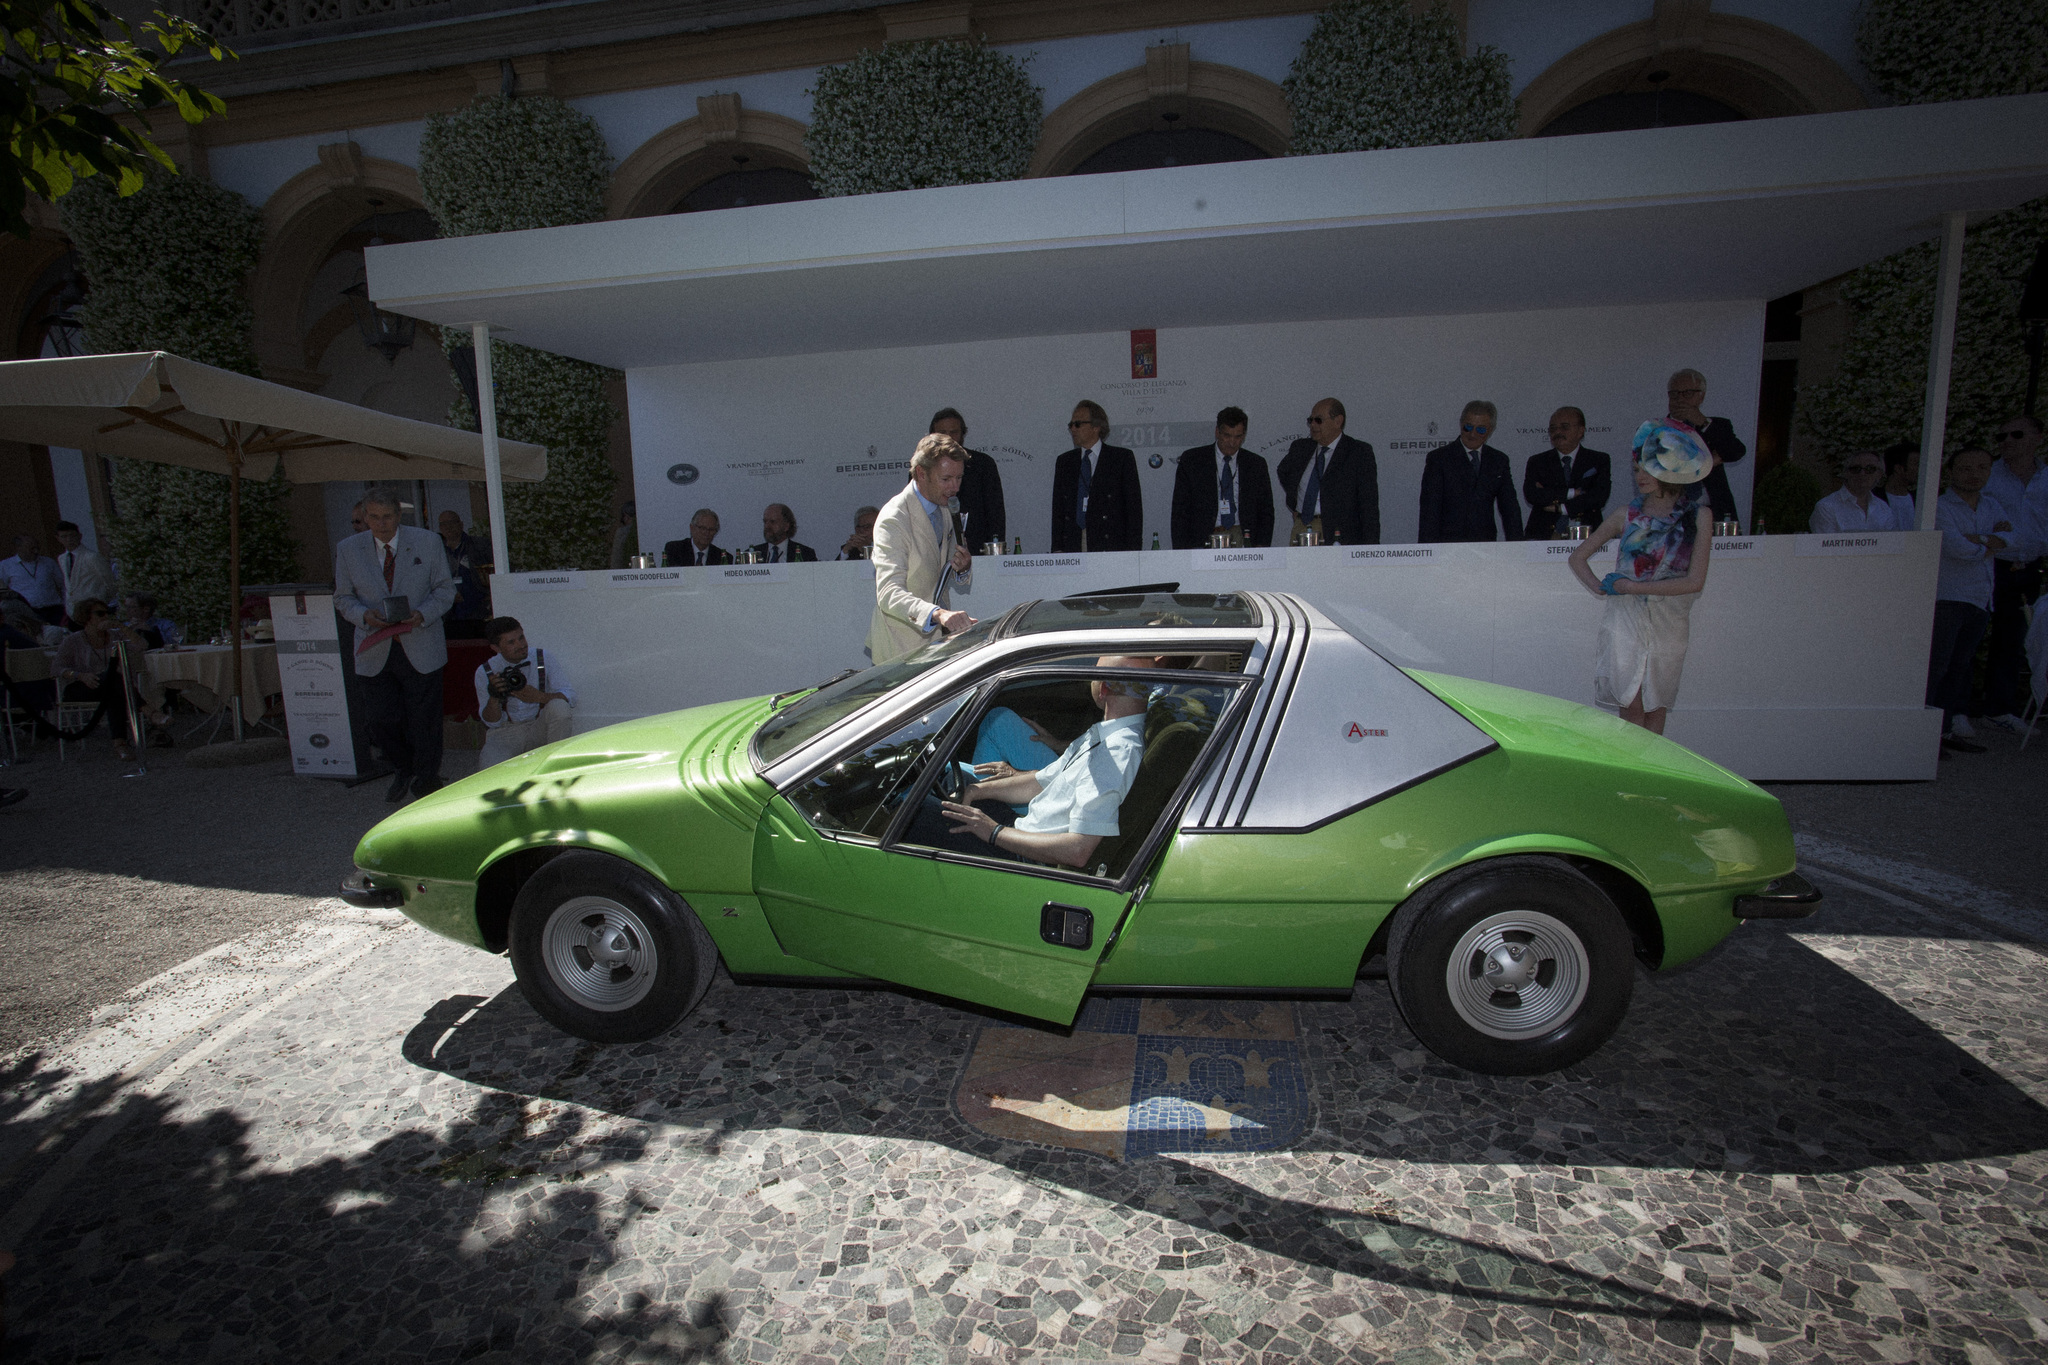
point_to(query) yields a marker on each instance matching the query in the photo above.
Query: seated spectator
(86, 660)
(778, 543)
(138, 610)
(16, 612)
(696, 549)
(1072, 802)
(1901, 482)
(33, 695)
(520, 695)
(861, 544)
(1854, 506)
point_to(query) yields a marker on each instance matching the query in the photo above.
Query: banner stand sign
(323, 708)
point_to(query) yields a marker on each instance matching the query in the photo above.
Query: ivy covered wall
(1923, 51)
(504, 165)
(1372, 74)
(167, 267)
(913, 115)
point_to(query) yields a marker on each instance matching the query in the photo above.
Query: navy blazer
(1116, 505)
(1583, 489)
(1459, 504)
(981, 499)
(1196, 501)
(793, 552)
(1349, 499)
(1720, 438)
(683, 554)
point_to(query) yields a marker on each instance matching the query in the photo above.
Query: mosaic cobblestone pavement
(350, 1141)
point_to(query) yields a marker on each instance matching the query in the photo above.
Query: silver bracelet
(994, 832)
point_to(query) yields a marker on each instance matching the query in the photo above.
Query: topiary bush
(1371, 74)
(913, 115)
(504, 165)
(1922, 51)
(167, 267)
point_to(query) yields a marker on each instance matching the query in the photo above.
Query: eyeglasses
(1479, 430)
(2014, 435)
(1078, 423)
(1318, 421)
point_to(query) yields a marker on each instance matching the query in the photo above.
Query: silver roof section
(1334, 728)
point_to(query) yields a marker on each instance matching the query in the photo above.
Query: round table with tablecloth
(201, 673)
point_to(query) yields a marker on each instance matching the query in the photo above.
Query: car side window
(1112, 779)
(859, 793)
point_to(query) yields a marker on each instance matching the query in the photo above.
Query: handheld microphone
(959, 538)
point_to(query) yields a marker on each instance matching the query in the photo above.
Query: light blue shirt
(1965, 572)
(2024, 541)
(1081, 790)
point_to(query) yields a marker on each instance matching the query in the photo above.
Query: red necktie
(390, 568)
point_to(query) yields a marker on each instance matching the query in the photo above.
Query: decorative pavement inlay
(1139, 1078)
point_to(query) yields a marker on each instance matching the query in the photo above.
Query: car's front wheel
(1512, 967)
(605, 952)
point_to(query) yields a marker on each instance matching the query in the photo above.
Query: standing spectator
(1463, 484)
(1973, 529)
(2017, 479)
(914, 545)
(1332, 481)
(981, 483)
(861, 544)
(778, 546)
(1667, 537)
(36, 577)
(1686, 391)
(1854, 506)
(86, 660)
(85, 573)
(1096, 501)
(520, 695)
(1568, 482)
(626, 536)
(465, 620)
(399, 662)
(697, 549)
(1901, 478)
(356, 524)
(1222, 487)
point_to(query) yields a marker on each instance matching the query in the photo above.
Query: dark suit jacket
(1545, 480)
(981, 500)
(1721, 439)
(683, 553)
(796, 552)
(1195, 500)
(1350, 495)
(1459, 505)
(1116, 505)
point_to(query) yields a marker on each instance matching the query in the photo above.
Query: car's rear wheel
(605, 952)
(1512, 967)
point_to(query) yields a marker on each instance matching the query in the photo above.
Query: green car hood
(674, 793)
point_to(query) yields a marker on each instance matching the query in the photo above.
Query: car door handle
(1066, 926)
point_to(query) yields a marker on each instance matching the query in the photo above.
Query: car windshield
(1126, 610)
(801, 720)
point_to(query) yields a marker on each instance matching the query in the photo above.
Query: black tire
(1543, 964)
(582, 911)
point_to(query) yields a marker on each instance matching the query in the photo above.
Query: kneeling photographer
(520, 695)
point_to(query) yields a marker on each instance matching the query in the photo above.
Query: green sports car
(1139, 793)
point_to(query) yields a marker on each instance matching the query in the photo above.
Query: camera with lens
(507, 681)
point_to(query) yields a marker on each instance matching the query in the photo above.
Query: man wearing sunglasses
(1855, 506)
(2020, 484)
(1466, 482)
(1096, 502)
(1685, 391)
(1332, 481)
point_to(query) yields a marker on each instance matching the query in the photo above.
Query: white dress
(1643, 639)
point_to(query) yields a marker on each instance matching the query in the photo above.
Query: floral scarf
(1660, 547)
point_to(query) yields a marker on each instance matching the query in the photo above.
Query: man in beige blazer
(914, 541)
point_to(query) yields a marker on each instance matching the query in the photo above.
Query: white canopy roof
(1718, 211)
(151, 405)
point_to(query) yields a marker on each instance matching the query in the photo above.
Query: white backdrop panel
(827, 433)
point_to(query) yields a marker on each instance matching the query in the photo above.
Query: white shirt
(1903, 508)
(85, 575)
(2023, 543)
(513, 710)
(1838, 512)
(1965, 572)
(1092, 457)
(1080, 791)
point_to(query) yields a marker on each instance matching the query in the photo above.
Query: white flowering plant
(1925, 51)
(167, 268)
(504, 165)
(913, 115)
(1371, 74)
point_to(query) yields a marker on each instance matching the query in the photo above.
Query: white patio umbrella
(152, 405)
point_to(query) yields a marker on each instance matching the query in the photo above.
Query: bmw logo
(318, 741)
(1156, 461)
(682, 473)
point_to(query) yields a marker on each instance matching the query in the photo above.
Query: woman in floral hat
(1666, 533)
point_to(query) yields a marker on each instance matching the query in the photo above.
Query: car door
(841, 882)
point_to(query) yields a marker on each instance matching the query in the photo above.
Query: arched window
(1640, 109)
(1170, 146)
(745, 185)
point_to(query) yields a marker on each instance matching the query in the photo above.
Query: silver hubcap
(1518, 974)
(600, 953)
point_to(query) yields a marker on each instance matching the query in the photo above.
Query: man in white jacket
(915, 541)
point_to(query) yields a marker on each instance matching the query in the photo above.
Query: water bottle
(1756, 526)
(1019, 547)
(1155, 540)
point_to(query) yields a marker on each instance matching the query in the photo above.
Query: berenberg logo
(682, 473)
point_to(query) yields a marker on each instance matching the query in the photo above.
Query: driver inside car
(1072, 801)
